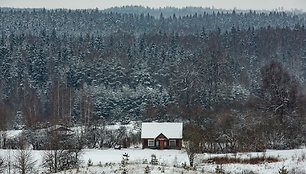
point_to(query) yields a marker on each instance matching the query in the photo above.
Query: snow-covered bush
(124, 162)
(219, 169)
(89, 162)
(61, 159)
(283, 170)
(154, 160)
(147, 170)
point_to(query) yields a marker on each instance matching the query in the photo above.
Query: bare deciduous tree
(64, 152)
(32, 108)
(192, 135)
(24, 162)
(61, 159)
(280, 90)
(5, 113)
(2, 165)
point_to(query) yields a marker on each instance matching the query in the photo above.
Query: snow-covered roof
(170, 130)
(57, 128)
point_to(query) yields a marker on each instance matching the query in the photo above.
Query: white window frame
(172, 143)
(151, 143)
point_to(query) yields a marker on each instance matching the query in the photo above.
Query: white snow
(11, 133)
(291, 159)
(131, 168)
(110, 161)
(168, 157)
(132, 127)
(170, 130)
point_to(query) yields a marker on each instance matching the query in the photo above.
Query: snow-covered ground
(131, 169)
(132, 127)
(293, 160)
(170, 161)
(167, 157)
(108, 161)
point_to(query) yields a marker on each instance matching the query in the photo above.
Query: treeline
(102, 23)
(239, 86)
(185, 11)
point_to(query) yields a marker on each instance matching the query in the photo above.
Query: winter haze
(227, 4)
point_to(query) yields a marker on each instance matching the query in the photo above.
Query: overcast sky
(103, 4)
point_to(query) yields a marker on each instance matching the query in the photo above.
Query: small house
(162, 135)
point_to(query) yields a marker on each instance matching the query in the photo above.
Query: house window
(172, 143)
(150, 143)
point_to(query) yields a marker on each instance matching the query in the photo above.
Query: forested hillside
(234, 76)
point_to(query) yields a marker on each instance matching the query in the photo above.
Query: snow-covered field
(293, 160)
(169, 161)
(108, 161)
(131, 169)
(167, 157)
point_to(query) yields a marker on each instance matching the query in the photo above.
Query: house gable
(161, 137)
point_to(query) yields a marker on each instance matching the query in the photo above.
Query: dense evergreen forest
(233, 77)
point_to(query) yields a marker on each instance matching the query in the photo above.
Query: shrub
(89, 163)
(147, 170)
(283, 170)
(154, 160)
(219, 169)
(59, 160)
(124, 162)
(229, 160)
(100, 164)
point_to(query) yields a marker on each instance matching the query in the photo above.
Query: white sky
(103, 4)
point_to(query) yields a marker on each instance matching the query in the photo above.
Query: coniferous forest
(237, 79)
